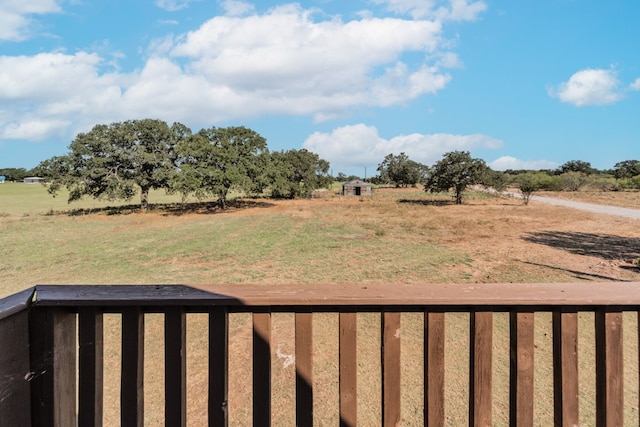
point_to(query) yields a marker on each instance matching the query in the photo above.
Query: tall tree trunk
(222, 199)
(144, 199)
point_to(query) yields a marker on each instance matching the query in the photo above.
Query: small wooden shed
(356, 187)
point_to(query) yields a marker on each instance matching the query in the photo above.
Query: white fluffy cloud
(508, 162)
(589, 87)
(291, 63)
(44, 94)
(361, 145)
(16, 16)
(286, 61)
(635, 85)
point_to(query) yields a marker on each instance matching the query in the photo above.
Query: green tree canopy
(576, 166)
(456, 171)
(296, 173)
(529, 183)
(401, 171)
(114, 161)
(626, 169)
(15, 174)
(214, 160)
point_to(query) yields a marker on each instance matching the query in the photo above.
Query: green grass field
(397, 236)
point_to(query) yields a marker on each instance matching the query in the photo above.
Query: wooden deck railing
(51, 348)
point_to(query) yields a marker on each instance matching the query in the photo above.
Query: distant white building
(33, 180)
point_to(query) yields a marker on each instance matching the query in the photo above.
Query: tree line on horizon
(457, 170)
(119, 160)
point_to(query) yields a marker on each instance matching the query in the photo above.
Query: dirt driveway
(590, 207)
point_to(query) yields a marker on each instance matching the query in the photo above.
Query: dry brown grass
(397, 236)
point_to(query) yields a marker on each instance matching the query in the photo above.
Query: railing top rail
(485, 294)
(15, 303)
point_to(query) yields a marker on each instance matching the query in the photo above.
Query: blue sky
(520, 84)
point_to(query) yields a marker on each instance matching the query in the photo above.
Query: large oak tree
(456, 171)
(296, 173)
(115, 161)
(214, 160)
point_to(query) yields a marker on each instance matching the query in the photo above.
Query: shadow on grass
(176, 209)
(427, 202)
(605, 246)
(578, 274)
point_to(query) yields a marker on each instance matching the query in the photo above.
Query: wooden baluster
(521, 383)
(261, 368)
(391, 369)
(53, 367)
(565, 368)
(609, 369)
(132, 390)
(90, 366)
(434, 368)
(348, 369)
(218, 366)
(175, 366)
(480, 368)
(304, 369)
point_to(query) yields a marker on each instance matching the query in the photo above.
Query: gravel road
(590, 207)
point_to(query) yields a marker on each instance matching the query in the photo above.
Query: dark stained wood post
(261, 368)
(218, 366)
(434, 368)
(90, 366)
(609, 369)
(132, 382)
(565, 368)
(391, 368)
(521, 382)
(15, 402)
(53, 367)
(480, 368)
(348, 350)
(304, 368)
(175, 362)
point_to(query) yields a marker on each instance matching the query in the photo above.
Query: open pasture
(397, 236)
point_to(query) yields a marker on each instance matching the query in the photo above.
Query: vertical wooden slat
(218, 366)
(304, 369)
(434, 369)
(53, 372)
(175, 360)
(521, 382)
(391, 368)
(480, 369)
(15, 392)
(261, 368)
(348, 369)
(132, 385)
(609, 369)
(565, 368)
(90, 366)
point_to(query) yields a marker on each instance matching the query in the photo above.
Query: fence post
(15, 395)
